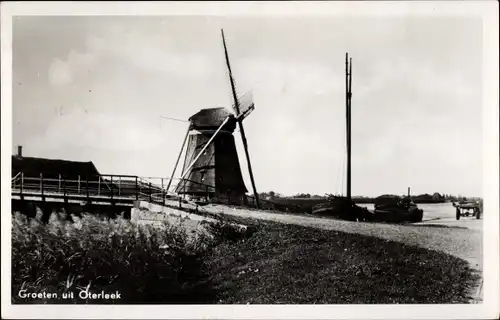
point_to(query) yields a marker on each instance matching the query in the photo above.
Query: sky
(96, 89)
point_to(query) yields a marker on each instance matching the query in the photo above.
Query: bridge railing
(107, 186)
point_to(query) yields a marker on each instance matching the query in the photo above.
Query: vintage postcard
(250, 160)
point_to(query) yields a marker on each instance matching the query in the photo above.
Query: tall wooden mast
(240, 123)
(348, 82)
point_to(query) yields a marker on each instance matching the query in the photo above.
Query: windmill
(211, 166)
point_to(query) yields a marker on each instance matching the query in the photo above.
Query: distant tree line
(269, 195)
(274, 195)
(436, 197)
(428, 198)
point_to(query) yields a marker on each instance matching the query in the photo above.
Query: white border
(487, 10)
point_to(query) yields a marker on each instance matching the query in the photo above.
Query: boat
(342, 208)
(393, 208)
(339, 206)
(387, 208)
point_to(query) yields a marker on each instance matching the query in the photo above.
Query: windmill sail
(238, 116)
(246, 106)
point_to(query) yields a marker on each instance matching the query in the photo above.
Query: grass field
(292, 264)
(145, 264)
(267, 263)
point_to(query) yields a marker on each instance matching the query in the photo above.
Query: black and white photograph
(208, 157)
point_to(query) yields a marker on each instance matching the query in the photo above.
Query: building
(54, 172)
(52, 168)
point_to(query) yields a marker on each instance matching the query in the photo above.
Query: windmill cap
(212, 118)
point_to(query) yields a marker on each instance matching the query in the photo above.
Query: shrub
(144, 264)
(227, 231)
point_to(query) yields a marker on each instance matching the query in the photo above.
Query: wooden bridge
(106, 191)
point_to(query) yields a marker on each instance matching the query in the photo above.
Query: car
(466, 208)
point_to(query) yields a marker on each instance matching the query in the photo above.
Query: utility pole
(348, 82)
(240, 123)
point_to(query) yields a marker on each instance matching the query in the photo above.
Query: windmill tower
(211, 167)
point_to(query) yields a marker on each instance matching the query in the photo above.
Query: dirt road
(462, 239)
(440, 231)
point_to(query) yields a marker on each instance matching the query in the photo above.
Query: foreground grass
(143, 264)
(266, 263)
(291, 264)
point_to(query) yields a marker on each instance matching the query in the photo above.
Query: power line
(173, 119)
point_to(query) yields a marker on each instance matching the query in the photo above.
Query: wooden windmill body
(211, 168)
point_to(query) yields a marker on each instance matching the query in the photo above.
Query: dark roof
(51, 167)
(211, 118)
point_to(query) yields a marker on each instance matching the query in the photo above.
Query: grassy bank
(267, 263)
(291, 264)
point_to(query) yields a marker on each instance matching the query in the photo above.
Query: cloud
(101, 131)
(60, 73)
(286, 77)
(68, 70)
(155, 52)
(138, 50)
(420, 78)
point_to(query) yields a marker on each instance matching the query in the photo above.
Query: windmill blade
(246, 105)
(245, 113)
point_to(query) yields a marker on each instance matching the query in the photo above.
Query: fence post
(150, 192)
(162, 192)
(59, 184)
(64, 188)
(136, 188)
(22, 182)
(111, 183)
(42, 187)
(99, 185)
(87, 186)
(78, 184)
(119, 185)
